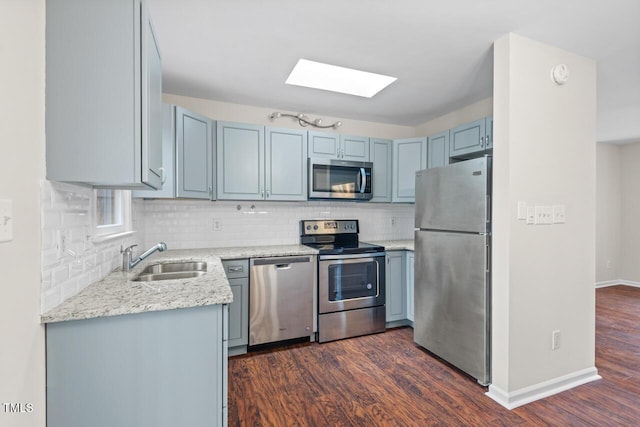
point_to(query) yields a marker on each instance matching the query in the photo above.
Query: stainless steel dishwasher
(280, 298)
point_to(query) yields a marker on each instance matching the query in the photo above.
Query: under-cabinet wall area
(185, 224)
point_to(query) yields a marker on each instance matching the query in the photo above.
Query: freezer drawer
(280, 298)
(452, 299)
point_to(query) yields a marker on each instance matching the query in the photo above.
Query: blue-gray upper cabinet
(240, 162)
(188, 153)
(195, 155)
(336, 146)
(380, 152)
(438, 150)
(285, 164)
(255, 163)
(103, 94)
(471, 138)
(409, 156)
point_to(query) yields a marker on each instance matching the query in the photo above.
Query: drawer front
(236, 268)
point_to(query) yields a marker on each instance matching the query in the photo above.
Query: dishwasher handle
(280, 262)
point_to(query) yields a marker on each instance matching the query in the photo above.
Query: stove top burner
(335, 237)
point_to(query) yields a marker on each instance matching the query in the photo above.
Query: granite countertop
(117, 294)
(394, 245)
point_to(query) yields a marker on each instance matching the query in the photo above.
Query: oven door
(347, 282)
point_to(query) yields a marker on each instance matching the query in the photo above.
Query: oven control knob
(308, 227)
(369, 286)
(315, 227)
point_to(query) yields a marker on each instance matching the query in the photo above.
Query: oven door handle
(364, 255)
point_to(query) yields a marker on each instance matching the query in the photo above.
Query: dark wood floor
(385, 380)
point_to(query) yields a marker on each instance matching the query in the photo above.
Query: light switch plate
(6, 220)
(531, 215)
(544, 215)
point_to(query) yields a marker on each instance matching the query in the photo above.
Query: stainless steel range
(351, 279)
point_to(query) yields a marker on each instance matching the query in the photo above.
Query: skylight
(337, 79)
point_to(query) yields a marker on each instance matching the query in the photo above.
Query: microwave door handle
(363, 180)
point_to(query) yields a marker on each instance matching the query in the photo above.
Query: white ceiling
(241, 51)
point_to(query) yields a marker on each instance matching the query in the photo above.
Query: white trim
(607, 283)
(541, 390)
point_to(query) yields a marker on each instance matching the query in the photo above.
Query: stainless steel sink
(171, 267)
(172, 271)
(148, 277)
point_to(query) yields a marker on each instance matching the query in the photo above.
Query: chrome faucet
(128, 263)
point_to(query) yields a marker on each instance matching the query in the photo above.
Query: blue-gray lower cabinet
(395, 293)
(154, 369)
(237, 272)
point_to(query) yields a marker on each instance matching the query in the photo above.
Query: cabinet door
(409, 281)
(168, 190)
(380, 155)
(409, 156)
(240, 162)
(285, 164)
(239, 313)
(395, 287)
(323, 144)
(194, 155)
(438, 150)
(488, 139)
(103, 88)
(354, 148)
(151, 105)
(467, 138)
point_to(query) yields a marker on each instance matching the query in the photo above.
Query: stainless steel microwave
(340, 179)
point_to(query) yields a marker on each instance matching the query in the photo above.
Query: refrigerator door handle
(487, 257)
(487, 219)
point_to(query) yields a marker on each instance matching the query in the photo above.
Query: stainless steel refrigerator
(452, 292)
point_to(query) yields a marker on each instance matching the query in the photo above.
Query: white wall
(630, 212)
(22, 365)
(617, 213)
(544, 275)
(470, 113)
(608, 213)
(257, 115)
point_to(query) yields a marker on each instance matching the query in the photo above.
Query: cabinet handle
(482, 141)
(268, 194)
(238, 269)
(487, 140)
(163, 176)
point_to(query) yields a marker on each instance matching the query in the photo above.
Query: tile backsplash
(202, 224)
(71, 260)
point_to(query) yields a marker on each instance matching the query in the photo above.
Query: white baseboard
(541, 390)
(607, 283)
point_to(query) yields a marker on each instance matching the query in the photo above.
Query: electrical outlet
(522, 210)
(555, 339)
(217, 224)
